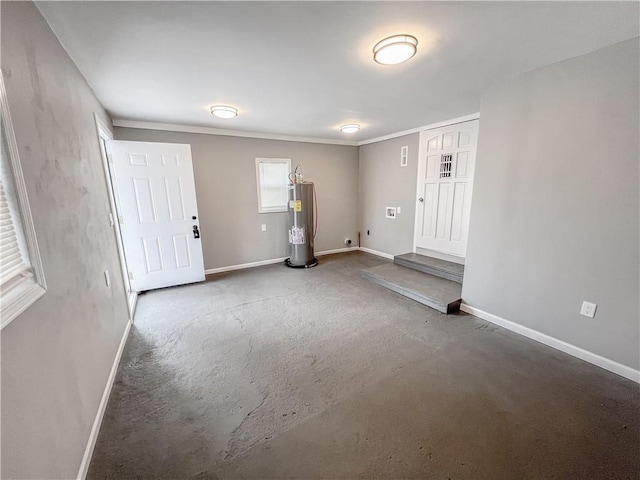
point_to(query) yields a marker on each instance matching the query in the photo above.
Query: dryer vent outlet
(347, 242)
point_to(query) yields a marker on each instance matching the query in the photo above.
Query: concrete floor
(285, 373)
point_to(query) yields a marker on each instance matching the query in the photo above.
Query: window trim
(32, 289)
(106, 134)
(270, 160)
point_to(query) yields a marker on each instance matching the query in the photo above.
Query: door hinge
(109, 158)
(130, 275)
(120, 220)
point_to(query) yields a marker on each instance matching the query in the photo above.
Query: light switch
(264, 227)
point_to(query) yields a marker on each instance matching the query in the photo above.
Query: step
(433, 266)
(435, 292)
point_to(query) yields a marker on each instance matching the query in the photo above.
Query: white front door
(445, 184)
(156, 200)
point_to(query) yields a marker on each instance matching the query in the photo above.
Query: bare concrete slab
(432, 266)
(435, 292)
(279, 373)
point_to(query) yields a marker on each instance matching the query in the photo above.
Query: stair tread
(436, 292)
(430, 262)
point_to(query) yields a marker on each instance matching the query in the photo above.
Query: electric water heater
(301, 225)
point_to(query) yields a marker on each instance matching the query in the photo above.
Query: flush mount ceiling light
(350, 128)
(395, 49)
(224, 111)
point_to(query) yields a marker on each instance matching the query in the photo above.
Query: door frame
(421, 151)
(105, 134)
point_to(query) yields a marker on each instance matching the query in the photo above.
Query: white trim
(375, 252)
(336, 250)
(228, 133)
(271, 261)
(171, 127)
(105, 133)
(37, 285)
(19, 299)
(445, 123)
(93, 436)
(416, 219)
(259, 182)
(242, 266)
(553, 342)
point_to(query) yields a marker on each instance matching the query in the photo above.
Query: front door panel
(156, 200)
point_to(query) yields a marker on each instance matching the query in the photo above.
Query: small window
(404, 156)
(21, 275)
(445, 166)
(273, 179)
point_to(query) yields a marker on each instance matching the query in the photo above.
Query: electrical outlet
(107, 280)
(264, 227)
(588, 309)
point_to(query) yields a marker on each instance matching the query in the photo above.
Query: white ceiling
(304, 68)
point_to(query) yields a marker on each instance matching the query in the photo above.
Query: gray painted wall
(225, 175)
(555, 213)
(57, 355)
(384, 183)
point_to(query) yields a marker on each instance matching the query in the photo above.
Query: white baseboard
(271, 261)
(244, 265)
(336, 250)
(553, 342)
(375, 252)
(93, 436)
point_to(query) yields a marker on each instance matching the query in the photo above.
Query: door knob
(196, 232)
(421, 199)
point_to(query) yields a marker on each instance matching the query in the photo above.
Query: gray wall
(384, 183)
(57, 355)
(555, 213)
(225, 175)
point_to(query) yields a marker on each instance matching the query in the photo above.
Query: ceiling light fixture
(350, 128)
(224, 111)
(395, 49)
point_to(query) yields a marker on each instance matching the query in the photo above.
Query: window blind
(13, 268)
(274, 185)
(273, 178)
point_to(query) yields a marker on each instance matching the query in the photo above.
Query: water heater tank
(301, 225)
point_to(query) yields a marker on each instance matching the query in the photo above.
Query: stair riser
(449, 308)
(431, 271)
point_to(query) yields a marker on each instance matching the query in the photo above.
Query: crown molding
(170, 127)
(229, 133)
(445, 123)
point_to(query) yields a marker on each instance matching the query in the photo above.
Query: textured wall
(555, 214)
(225, 175)
(57, 355)
(384, 183)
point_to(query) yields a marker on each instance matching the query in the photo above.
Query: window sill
(19, 299)
(280, 210)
